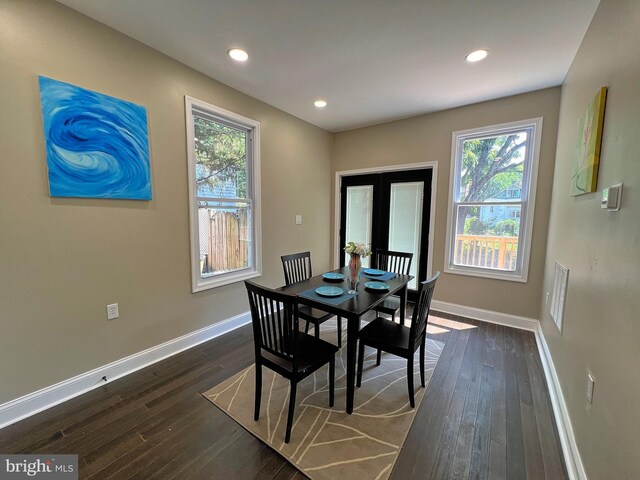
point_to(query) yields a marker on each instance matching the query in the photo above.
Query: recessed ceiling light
(477, 56)
(238, 54)
(320, 103)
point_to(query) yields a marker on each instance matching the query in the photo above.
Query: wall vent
(559, 293)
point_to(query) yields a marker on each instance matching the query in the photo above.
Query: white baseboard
(48, 397)
(490, 316)
(572, 458)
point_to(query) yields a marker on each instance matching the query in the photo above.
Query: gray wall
(602, 321)
(63, 260)
(428, 139)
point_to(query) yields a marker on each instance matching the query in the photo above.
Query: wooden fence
(228, 241)
(488, 252)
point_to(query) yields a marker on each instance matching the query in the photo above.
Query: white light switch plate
(298, 219)
(590, 383)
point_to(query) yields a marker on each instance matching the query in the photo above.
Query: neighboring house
(494, 214)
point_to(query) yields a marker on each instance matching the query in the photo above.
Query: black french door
(390, 211)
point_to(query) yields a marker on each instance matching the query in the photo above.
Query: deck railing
(486, 251)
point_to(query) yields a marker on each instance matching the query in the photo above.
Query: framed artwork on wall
(584, 177)
(97, 145)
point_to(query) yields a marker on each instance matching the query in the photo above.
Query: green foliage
(220, 156)
(504, 228)
(507, 228)
(473, 226)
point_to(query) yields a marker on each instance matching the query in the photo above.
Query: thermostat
(611, 197)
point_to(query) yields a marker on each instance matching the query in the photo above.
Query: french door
(388, 211)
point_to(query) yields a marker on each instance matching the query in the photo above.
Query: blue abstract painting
(97, 145)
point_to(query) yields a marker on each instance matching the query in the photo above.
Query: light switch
(298, 219)
(590, 383)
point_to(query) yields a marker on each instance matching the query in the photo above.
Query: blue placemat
(311, 294)
(385, 276)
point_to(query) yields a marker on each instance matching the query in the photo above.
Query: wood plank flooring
(486, 415)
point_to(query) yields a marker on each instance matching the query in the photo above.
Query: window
(493, 182)
(224, 187)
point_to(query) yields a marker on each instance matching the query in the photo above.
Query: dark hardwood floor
(486, 414)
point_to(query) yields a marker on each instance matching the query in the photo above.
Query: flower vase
(354, 269)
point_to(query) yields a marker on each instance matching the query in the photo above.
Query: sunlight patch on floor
(448, 324)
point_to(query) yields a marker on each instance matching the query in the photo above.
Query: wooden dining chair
(397, 262)
(280, 346)
(297, 267)
(399, 340)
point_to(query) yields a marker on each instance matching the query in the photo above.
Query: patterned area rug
(326, 443)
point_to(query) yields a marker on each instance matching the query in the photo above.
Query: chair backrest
(421, 309)
(274, 318)
(390, 261)
(297, 267)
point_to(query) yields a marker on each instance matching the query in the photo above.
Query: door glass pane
(359, 217)
(405, 222)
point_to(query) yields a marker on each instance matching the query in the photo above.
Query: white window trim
(199, 284)
(526, 232)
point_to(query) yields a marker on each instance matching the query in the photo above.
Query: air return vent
(559, 293)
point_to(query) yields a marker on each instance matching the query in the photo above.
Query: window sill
(202, 284)
(486, 273)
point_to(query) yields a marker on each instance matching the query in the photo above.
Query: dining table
(352, 307)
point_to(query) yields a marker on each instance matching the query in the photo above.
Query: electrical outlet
(112, 311)
(590, 383)
(298, 219)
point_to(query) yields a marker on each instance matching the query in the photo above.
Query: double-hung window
(492, 195)
(224, 194)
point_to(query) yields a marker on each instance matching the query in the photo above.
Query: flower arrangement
(362, 249)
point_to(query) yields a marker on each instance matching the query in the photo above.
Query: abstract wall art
(97, 146)
(584, 178)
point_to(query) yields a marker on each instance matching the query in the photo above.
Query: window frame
(234, 120)
(528, 198)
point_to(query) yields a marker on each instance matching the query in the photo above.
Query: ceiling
(371, 60)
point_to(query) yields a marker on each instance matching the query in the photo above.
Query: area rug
(326, 443)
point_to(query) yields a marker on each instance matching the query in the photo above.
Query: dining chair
(399, 340)
(281, 347)
(297, 267)
(397, 262)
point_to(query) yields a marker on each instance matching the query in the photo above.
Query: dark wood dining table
(352, 309)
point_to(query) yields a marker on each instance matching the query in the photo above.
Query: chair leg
(316, 329)
(292, 406)
(339, 332)
(422, 353)
(332, 379)
(360, 362)
(378, 358)
(256, 412)
(306, 328)
(412, 400)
